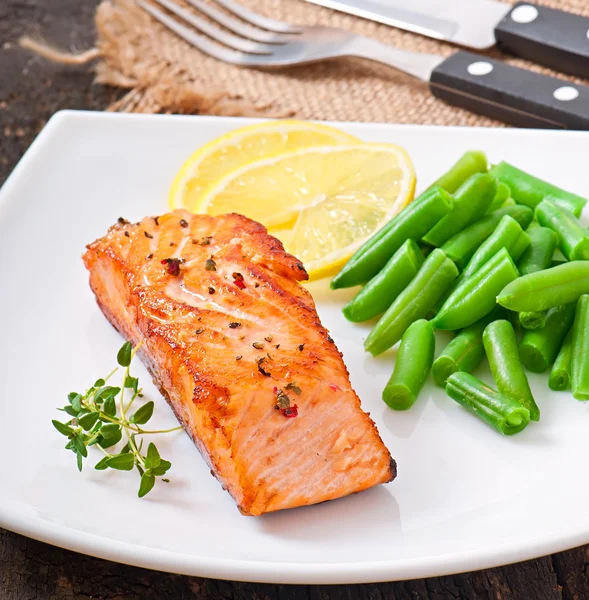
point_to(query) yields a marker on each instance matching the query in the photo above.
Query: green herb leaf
(143, 414)
(126, 448)
(109, 430)
(63, 428)
(152, 458)
(74, 399)
(283, 401)
(132, 383)
(99, 383)
(111, 441)
(294, 387)
(88, 420)
(121, 462)
(147, 483)
(71, 411)
(79, 461)
(79, 445)
(102, 464)
(124, 354)
(162, 468)
(106, 392)
(110, 407)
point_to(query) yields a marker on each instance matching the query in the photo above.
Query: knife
(549, 37)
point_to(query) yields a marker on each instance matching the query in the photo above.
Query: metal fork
(237, 35)
(264, 42)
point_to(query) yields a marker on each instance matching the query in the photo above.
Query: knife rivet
(524, 14)
(566, 93)
(481, 67)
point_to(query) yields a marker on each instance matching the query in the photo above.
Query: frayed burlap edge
(156, 86)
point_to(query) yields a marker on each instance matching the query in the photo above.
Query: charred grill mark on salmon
(271, 447)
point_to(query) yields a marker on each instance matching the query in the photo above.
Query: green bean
(465, 352)
(468, 164)
(501, 195)
(529, 190)
(412, 222)
(463, 245)
(544, 289)
(560, 374)
(532, 320)
(538, 255)
(378, 294)
(580, 350)
(509, 235)
(471, 201)
(414, 302)
(501, 412)
(573, 240)
(413, 364)
(475, 296)
(508, 372)
(538, 347)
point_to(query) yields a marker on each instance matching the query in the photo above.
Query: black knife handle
(546, 36)
(515, 96)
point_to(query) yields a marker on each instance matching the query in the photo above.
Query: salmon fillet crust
(235, 345)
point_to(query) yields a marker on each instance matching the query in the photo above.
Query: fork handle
(516, 96)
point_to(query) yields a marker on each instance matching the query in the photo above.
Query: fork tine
(215, 32)
(255, 19)
(201, 42)
(238, 26)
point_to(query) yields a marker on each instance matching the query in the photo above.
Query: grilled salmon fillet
(235, 345)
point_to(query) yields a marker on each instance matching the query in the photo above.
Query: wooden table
(31, 90)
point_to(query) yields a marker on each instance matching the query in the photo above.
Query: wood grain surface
(31, 90)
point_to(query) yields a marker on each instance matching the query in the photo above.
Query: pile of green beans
(475, 255)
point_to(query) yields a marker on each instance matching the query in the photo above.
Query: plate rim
(255, 571)
(372, 571)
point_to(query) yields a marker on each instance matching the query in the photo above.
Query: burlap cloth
(166, 74)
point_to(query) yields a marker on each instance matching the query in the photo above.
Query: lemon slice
(322, 202)
(242, 146)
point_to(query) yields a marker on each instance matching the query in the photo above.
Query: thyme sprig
(100, 418)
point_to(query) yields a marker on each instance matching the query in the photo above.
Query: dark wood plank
(30, 569)
(31, 90)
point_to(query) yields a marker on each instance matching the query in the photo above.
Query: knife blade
(546, 36)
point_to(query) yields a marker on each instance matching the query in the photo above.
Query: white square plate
(465, 498)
